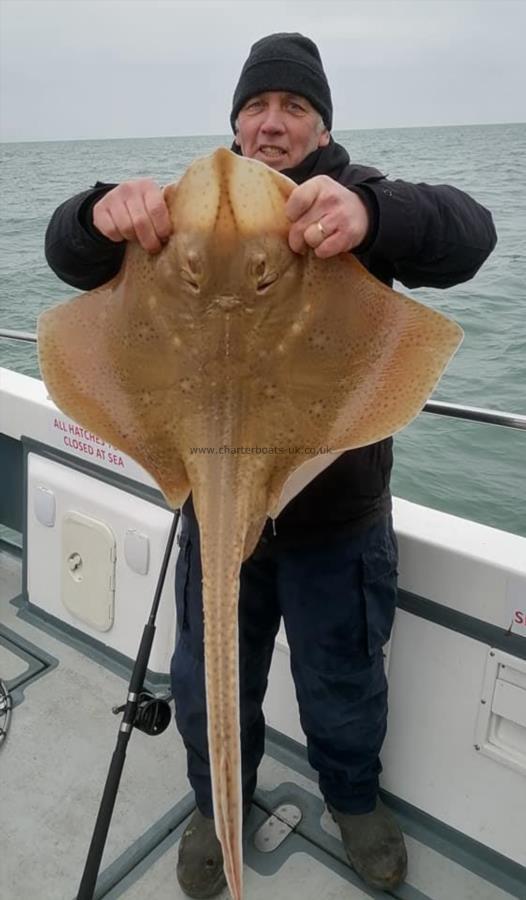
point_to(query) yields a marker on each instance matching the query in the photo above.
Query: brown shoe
(375, 846)
(200, 862)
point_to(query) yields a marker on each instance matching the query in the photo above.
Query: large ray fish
(223, 365)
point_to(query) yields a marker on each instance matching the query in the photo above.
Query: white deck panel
(55, 761)
(121, 512)
(463, 565)
(436, 678)
(54, 764)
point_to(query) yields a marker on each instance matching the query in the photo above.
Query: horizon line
(228, 135)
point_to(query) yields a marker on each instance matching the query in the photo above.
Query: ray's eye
(189, 280)
(266, 282)
(264, 278)
(191, 273)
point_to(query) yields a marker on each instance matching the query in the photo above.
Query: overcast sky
(73, 69)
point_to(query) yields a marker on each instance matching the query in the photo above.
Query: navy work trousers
(338, 603)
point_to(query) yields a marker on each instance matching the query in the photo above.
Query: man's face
(279, 129)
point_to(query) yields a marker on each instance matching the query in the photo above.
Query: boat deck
(54, 763)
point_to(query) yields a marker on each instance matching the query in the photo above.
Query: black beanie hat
(284, 62)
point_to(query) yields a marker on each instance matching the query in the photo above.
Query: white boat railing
(453, 410)
(28, 336)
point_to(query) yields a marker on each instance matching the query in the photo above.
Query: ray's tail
(221, 553)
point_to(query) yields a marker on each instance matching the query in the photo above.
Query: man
(330, 567)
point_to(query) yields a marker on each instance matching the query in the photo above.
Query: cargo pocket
(182, 574)
(379, 588)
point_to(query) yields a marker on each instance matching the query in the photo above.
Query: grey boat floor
(54, 762)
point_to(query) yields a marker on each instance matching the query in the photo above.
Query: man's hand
(327, 217)
(134, 211)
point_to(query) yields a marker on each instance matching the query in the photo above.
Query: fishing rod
(142, 710)
(6, 705)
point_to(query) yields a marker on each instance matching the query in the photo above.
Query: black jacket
(421, 235)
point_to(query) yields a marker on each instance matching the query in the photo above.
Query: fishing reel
(152, 715)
